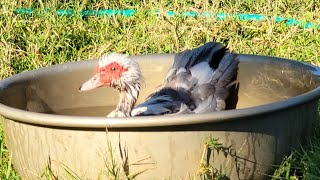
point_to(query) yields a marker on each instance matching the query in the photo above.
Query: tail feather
(210, 53)
(226, 70)
(232, 99)
(180, 59)
(205, 53)
(225, 77)
(190, 58)
(222, 91)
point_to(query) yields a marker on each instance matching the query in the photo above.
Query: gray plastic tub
(47, 121)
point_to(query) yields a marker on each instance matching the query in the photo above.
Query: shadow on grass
(6, 168)
(303, 163)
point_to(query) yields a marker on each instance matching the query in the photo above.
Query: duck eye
(113, 68)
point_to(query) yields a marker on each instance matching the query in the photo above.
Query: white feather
(150, 110)
(170, 73)
(202, 72)
(181, 70)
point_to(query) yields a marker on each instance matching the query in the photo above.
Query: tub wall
(168, 152)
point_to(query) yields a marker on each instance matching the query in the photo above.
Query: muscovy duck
(201, 80)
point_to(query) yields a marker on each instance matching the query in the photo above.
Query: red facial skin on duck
(112, 71)
(104, 76)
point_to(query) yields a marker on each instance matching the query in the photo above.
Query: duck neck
(128, 99)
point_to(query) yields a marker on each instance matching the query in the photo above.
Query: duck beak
(92, 83)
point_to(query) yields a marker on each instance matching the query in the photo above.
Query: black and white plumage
(201, 80)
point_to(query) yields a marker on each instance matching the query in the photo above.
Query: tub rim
(65, 121)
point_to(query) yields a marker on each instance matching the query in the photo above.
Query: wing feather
(199, 81)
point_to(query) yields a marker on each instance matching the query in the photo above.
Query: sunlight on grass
(303, 163)
(6, 169)
(30, 42)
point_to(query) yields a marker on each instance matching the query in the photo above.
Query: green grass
(30, 42)
(6, 169)
(303, 163)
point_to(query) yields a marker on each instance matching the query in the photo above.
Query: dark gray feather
(186, 90)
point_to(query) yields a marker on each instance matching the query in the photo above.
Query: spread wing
(199, 81)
